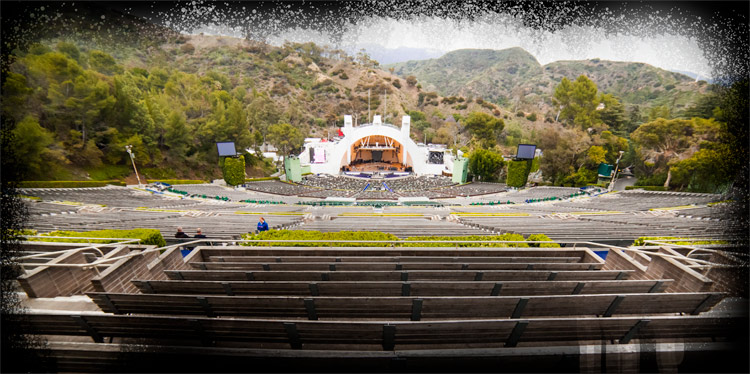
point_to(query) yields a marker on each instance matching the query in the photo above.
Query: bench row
(430, 288)
(379, 266)
(385, 336)
(394, 276)
(406, 308)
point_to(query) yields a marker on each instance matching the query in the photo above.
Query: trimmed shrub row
(492, 203)
(262, 179)
(374, 235)
(317, 235)
(270, 202)
(147, 236)
(68, 184)
(641, 241)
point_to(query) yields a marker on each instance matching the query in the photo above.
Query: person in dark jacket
(262, 225)
(199, 234)
(180, 233)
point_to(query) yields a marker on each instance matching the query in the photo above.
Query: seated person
(180, 233)
(199, 234)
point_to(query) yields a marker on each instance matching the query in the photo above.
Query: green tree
(564, 153)
(15, 94)
(657, 112)
(285, 137)
(613, 113)
(578, 101)
(103, 63)
(177, 136)
(485, 164)
(32, 146)
(85, 100)
(485, 128)
(596, 155)
(262, 112)
(70, 50)
(664, 141)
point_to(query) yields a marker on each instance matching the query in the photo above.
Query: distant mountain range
(394, 55)
(514, 76)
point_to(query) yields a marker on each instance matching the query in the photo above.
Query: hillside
(83, 99)
(513, 78)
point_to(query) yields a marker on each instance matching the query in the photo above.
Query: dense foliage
(374, 235)
(485, 164)
(518, 173)
(317, 235)
(541, 238)
(234, 170)
(147, 236)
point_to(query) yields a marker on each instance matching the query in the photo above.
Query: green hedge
(68, 184)
(541, 238)
(234, 170)
(518, 173)
(513, 237)
(147, 236)
(317, 235)
(177, 181)
(641, 241)
(374, 235)
(647, 188)
(261, 179)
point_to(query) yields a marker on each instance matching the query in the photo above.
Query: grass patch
(109, 172)
(147, 236)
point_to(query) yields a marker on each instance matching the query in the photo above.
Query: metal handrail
(121, 241)
(105, 261)
(694, 249)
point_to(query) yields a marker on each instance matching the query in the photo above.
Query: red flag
(341, 133)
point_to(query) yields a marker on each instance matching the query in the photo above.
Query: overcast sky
(694, 36)
(575, 42)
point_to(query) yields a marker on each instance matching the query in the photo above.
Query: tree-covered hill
(78, 102)
(513, 78)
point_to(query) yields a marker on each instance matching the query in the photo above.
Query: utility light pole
(614, 174)
(129, 148)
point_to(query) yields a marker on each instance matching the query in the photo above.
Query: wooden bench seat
(375, 335)
(407, 308)
(415, 288)
(419, 252)
(401, 259)
(410, 275)
(385, 266)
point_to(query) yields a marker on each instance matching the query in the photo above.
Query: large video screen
(319, 157)
(525, 151)
(226, 149)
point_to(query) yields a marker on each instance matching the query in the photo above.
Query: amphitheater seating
(391, 276)
(364, 301)
(396, 225)
(401, 334)
(394, 288)
(279, 188)
(625, 227)
(636, 200)
(473, 189)
(376, 307)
